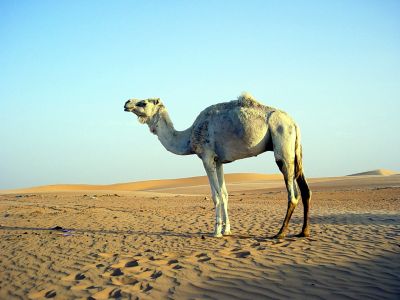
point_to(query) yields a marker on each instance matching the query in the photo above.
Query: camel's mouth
(137, 113)
(129, 106)
(133, 110)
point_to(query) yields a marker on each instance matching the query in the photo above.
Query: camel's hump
(247, 100)
(246, 96)
(244, 100)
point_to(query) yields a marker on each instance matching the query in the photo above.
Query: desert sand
(151, 240)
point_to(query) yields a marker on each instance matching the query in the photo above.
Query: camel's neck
(177, 142)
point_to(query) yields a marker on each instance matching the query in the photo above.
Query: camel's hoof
(279, 236)
(303, 234)
(217, 235)
(227, 232)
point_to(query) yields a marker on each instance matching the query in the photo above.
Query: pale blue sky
(67, 67)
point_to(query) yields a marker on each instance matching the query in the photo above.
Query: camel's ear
(155, 101)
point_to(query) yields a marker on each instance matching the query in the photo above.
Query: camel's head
(144, 109)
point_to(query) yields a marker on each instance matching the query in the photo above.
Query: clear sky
(67, 67)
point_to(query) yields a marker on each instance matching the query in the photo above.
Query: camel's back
(244, 102)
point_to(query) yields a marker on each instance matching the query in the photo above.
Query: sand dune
(383, 172)
(199, 185)
(191, 185)
(148, 185)
(155, 244)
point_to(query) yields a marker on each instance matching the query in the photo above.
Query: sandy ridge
(376, 172)
(147, 185)
(198, 183)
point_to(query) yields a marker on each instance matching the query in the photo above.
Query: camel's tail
(298, 160)
(299, 174)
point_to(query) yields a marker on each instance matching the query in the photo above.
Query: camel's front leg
(210, 167)
(224, 193)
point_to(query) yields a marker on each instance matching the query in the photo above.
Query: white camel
(229, 131)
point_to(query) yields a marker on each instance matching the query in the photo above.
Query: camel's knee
(293, 197)
(218, 205)
(216, 197)
(217, 200)
(294, 200)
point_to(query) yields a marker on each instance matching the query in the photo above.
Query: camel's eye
(141, 104)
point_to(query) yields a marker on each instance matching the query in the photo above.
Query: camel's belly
(238, 149)
(241, 142)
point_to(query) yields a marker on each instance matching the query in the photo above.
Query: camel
(225, 132)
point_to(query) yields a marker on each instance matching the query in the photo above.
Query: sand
(154, 242)
(376, 172)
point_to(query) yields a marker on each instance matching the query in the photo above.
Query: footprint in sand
(50, 294)
(145, 287)
(203, 257)
(125, 281)
(80, 276)
(107, 293)
(177, 267)
(242, 254)
(132, 263)
(117, 272)
(201, 254)
(72, 277)
(116, 293)
(156, 274)
(172, 261)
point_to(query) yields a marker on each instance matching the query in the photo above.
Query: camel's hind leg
(306, 198)
(288, 174)
(284, 157)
